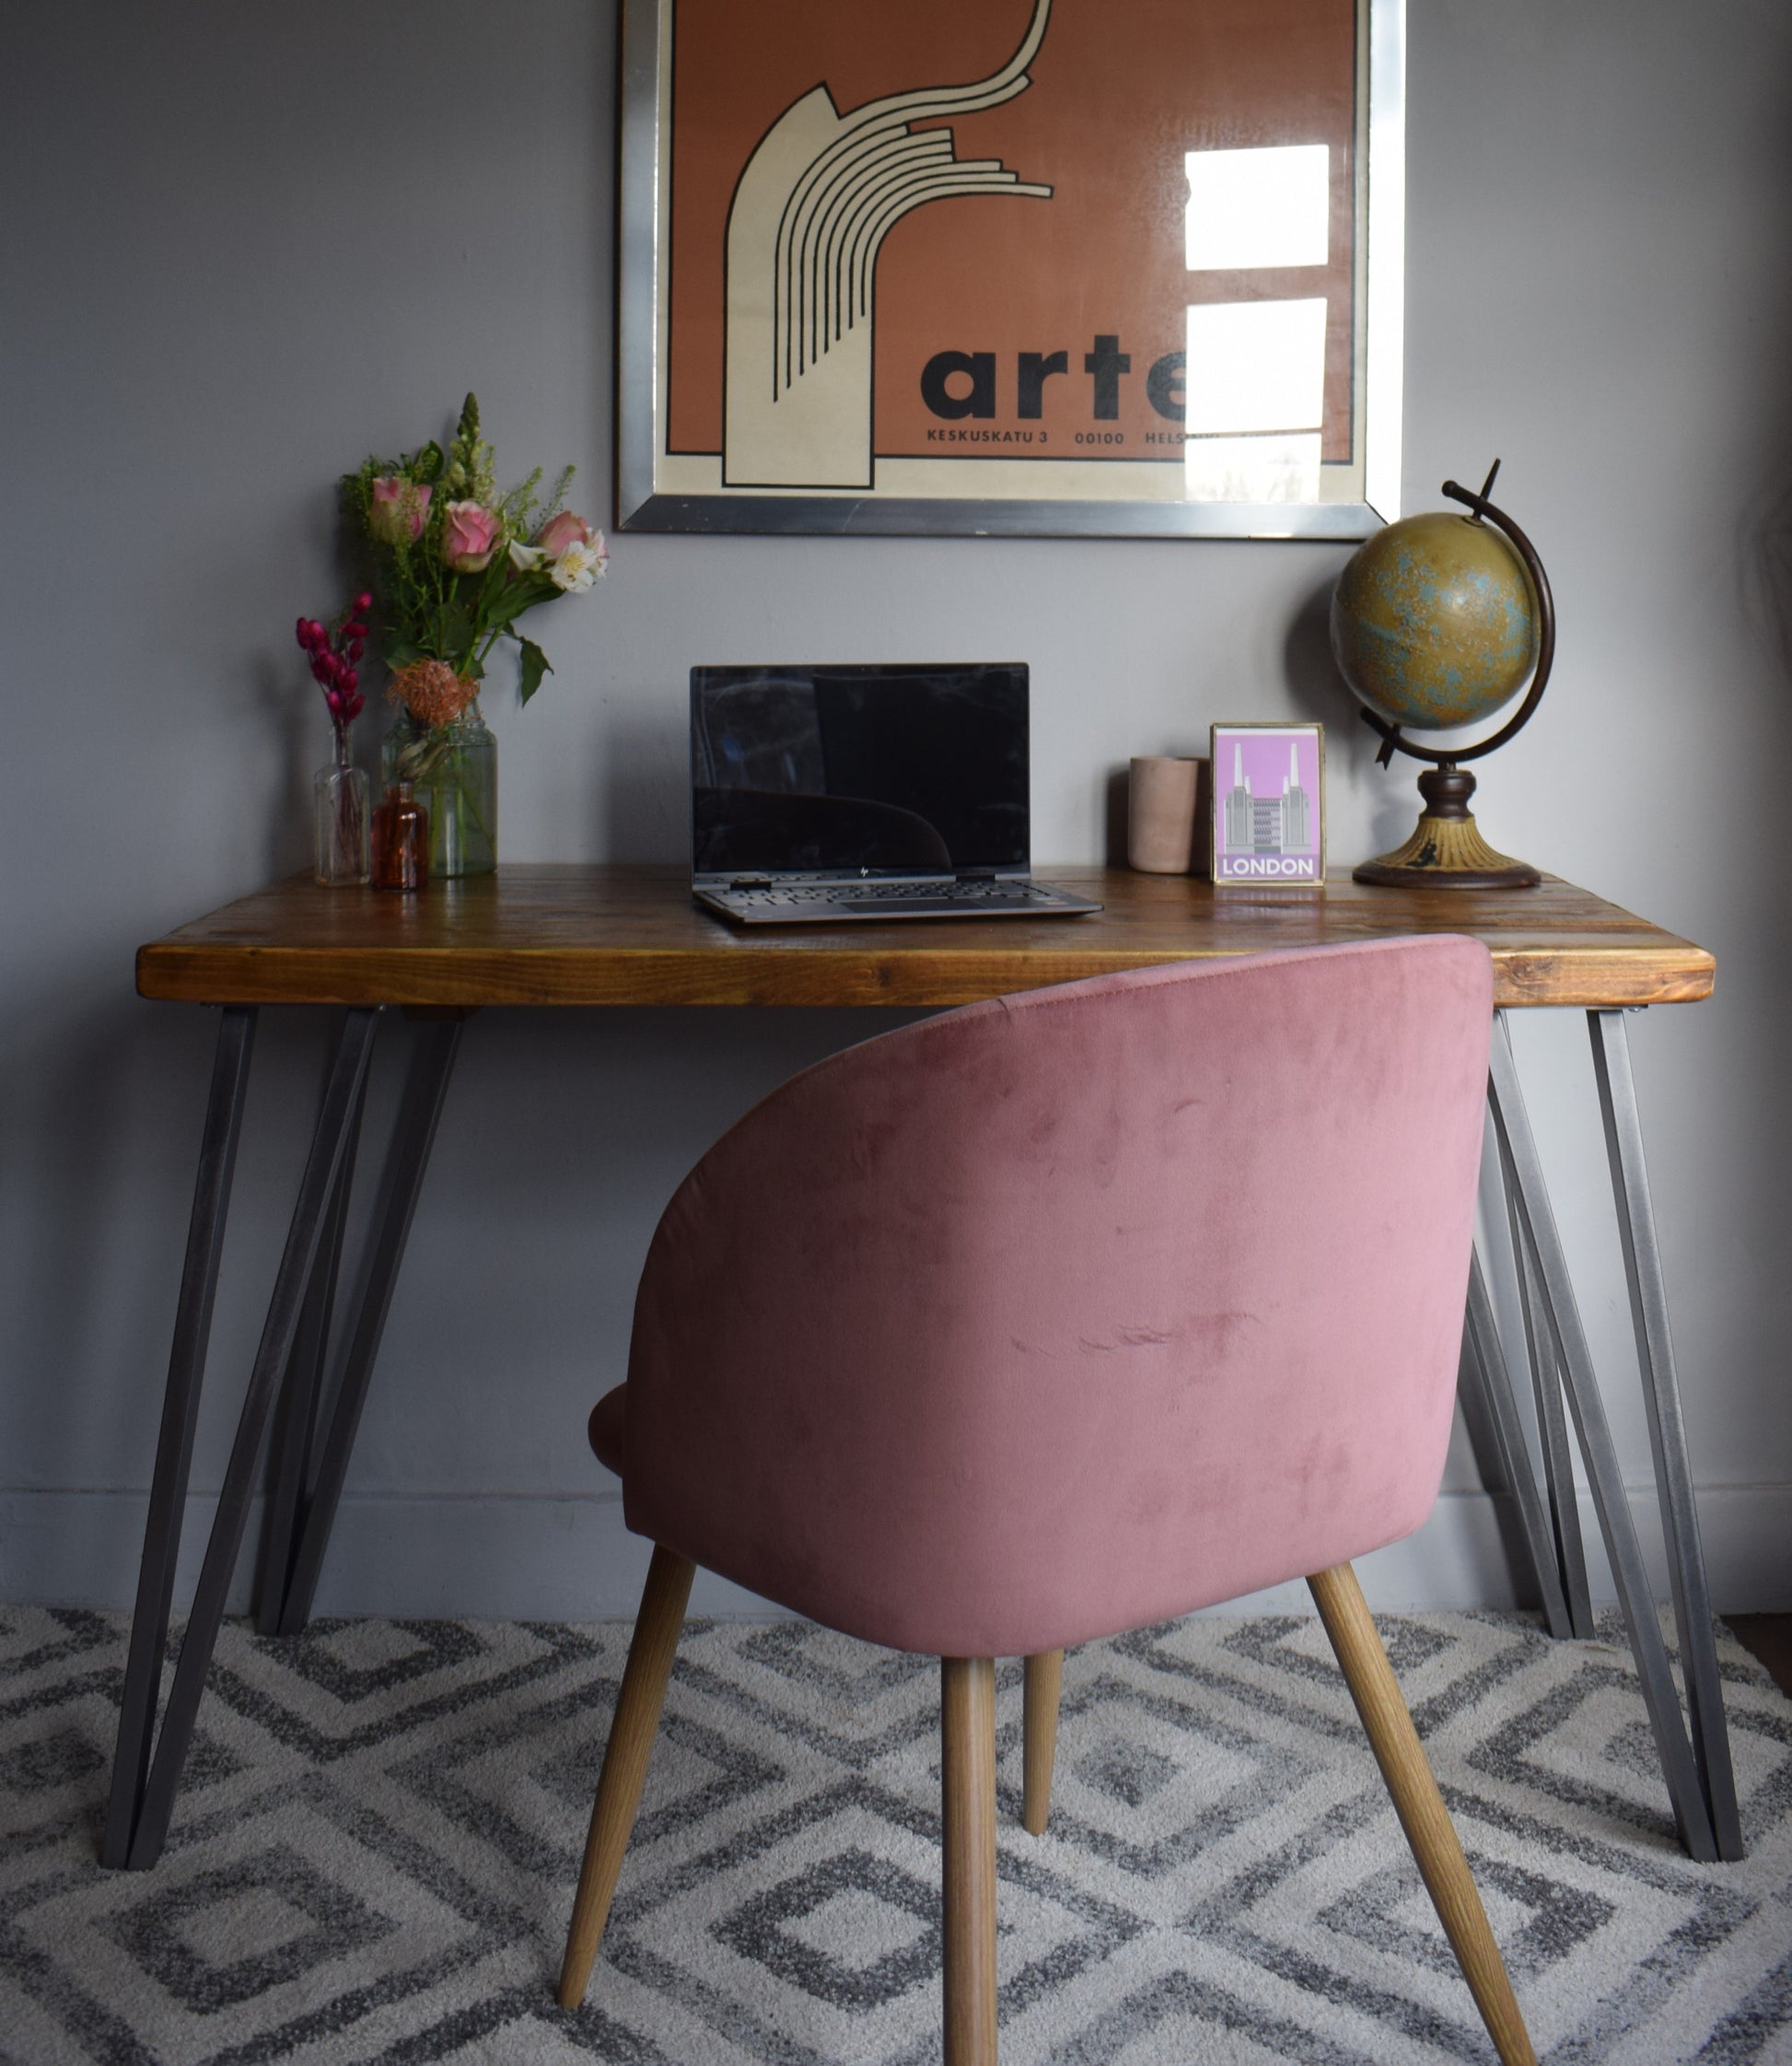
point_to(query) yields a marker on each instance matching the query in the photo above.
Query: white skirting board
(502, 1557)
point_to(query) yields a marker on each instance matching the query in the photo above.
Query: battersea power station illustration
(1270, 810)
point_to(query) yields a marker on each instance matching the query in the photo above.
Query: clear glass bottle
(455, 768)
(400, 840)
(339, 811)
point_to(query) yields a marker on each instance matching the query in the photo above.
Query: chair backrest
(1076, 1310)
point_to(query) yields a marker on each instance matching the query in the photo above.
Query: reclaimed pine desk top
(583, 935)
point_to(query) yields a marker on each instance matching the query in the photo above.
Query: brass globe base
(1447, 851)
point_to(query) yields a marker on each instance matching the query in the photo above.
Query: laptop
(821, 794)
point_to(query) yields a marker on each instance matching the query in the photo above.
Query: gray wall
(245, 245)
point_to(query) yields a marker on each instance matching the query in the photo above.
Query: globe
(1439, 621)
(1434, 621)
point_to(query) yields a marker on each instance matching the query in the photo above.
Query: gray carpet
(374, 1856)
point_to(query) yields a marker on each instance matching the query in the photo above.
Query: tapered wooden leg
(1420, 1806)
(1044, 1682)
(631, 1731)
(967, 1713)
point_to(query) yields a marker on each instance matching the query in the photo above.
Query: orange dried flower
(431, 691)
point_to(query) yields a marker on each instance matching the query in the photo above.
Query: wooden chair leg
(631, 1731)
(1044, 1683)
(967, 1714)
(1421, 1809)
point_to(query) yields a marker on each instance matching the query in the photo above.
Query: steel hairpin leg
(295, 1416)
(1552, 1421)
(425, 1091)
(1510, 1472)
(295, 1341)
(168, 1491)
(138, 1816)
(1673, 1472)
(1540, 1246)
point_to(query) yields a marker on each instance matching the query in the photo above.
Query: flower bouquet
(454, 565)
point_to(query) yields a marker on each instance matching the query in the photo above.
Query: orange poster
(995, 253)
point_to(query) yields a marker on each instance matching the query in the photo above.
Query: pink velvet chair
(1058, 1315)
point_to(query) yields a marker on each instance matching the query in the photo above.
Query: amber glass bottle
(400, 841)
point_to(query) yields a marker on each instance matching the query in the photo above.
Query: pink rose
(560, 532)
(469, 537)
(398, 511)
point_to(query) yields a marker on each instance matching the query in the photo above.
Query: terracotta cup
(1163, 830)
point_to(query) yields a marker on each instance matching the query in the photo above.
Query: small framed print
(1269, 803)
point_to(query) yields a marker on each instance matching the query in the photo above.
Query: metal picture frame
(770, 487)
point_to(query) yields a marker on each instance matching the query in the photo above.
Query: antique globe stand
(1447, 851)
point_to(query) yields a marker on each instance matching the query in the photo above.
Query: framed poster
(1268, 803)
(1083, 267)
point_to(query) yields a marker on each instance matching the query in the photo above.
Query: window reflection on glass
(1255, 381)
(1249, 209)
(1254, 392)
(1255, 366)
(1252, 468)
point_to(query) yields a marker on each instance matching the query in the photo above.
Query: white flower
(578, 566)
(525, 558)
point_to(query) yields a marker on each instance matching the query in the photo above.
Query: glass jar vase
(454, 770)
(339, 816)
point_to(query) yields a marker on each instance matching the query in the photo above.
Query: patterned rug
(373, 1855)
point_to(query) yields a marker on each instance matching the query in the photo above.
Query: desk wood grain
(569, 935)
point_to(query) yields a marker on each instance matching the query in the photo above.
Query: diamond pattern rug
(374, 1854)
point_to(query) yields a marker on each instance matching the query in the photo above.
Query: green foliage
(534, 665)
(557, 500)
(467, 475)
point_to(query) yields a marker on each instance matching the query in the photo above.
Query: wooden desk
(590, 936)
(571, 936)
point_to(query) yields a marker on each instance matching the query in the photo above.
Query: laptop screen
(847, 770)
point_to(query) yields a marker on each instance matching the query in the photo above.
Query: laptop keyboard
(973, 896)
(975, 891)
